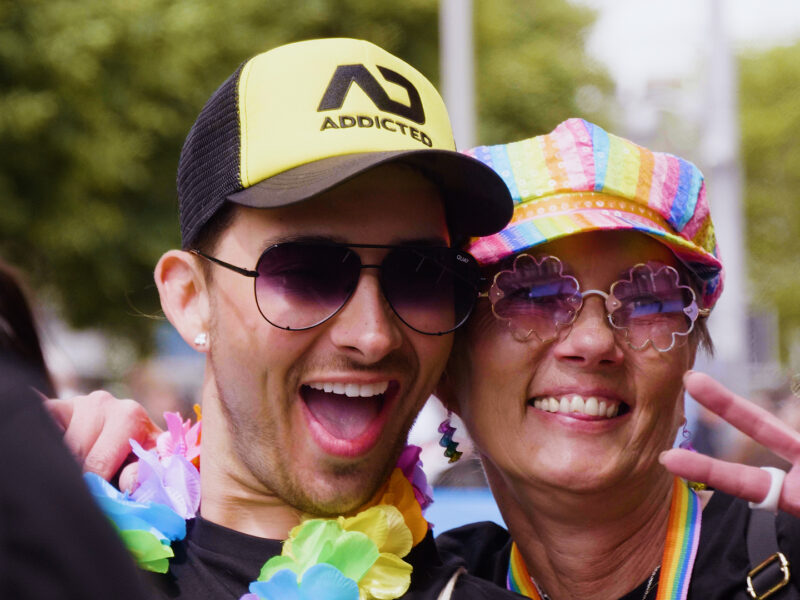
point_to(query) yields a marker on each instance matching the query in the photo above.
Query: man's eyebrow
(427, 241)
(304, 238)
(434, 241)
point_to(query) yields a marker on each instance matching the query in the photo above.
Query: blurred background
(96, 97)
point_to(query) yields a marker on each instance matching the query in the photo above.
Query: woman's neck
(588, 546)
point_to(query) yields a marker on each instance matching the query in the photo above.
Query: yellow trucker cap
(297, 120)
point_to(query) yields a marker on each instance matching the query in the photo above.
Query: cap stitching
(241, 92)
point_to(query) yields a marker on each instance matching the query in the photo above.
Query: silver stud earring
(201, 339)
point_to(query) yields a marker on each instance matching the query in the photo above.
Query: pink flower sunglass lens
(652, 307)
(536, 298)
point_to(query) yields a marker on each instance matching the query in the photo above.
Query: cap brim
(477, 201)
(529, 233)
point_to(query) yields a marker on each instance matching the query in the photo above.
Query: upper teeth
(352, 390)
(578, 404)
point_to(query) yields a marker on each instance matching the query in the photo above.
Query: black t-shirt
(54, 541)
(720, 569)
(213, 562)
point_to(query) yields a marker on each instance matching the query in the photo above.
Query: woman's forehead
(612, 252)
(631, 246)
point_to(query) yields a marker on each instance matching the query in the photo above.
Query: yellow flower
(389, 576)
(385, 526)
(399, 492)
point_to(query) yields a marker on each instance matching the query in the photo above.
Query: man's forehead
(378, 209)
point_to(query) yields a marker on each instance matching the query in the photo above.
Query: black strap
(762, 540)
(762, 545)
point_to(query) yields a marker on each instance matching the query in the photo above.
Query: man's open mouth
(345, 410)
(588, 406)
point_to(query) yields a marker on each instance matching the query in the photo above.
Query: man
(330, 166)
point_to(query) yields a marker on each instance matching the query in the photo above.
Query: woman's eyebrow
(653, 264)
(566, 268)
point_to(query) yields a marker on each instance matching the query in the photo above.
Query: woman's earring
(201, 340)
(686, 442)
(447, 442)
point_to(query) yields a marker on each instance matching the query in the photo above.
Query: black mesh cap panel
(208, 169)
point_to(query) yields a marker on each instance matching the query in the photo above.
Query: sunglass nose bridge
(610, 302)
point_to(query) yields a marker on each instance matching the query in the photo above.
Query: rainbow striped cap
(579, 178)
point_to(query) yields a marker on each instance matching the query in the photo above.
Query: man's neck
(589, 546)
(230, 496)
(246, 511)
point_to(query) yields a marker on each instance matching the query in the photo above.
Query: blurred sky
(663, 39)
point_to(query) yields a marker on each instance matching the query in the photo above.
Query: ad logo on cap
(339, 86)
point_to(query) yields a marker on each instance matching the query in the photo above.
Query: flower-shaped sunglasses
(649, 305)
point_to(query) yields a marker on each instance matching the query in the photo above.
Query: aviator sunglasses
(299, 285)
(649, 305)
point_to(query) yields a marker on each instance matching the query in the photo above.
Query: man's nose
(367, 328)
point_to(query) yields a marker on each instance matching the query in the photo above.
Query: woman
(569, 379)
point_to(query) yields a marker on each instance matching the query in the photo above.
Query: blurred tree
(96, 97)
(533, 71)
(770, 120)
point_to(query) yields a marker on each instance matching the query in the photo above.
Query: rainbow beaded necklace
(680, 550)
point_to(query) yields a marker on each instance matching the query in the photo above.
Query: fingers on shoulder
(99, 430)
(117, 414)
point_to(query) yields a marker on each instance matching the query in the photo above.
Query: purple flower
(172, 481)
(411, 466)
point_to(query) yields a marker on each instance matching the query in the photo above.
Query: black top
(54, 541)
(720, 569)
(217, 563)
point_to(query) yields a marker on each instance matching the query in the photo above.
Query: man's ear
(184, 295)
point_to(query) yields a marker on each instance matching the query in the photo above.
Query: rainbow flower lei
(358, 557)
(168, 493)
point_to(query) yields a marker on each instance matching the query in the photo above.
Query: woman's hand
(749, 483)
(97, 428)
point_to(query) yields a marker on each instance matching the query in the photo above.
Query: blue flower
(320, 582)
(127, 514)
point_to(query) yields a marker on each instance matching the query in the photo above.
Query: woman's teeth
(574, 403)
(352, 390)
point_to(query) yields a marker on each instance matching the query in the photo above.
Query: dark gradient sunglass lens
(432, 290)
(301, 285)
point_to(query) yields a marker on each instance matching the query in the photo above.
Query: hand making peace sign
(749, 483)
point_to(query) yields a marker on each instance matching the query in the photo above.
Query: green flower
(323, 541)
(366, 548)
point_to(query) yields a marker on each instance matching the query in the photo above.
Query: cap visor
(529, 233)
(477, 201)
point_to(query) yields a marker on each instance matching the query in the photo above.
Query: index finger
(744, 481)
(755, 422)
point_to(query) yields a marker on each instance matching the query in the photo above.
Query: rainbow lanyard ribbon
(680, 550)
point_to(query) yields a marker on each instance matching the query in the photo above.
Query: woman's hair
(19, 340)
